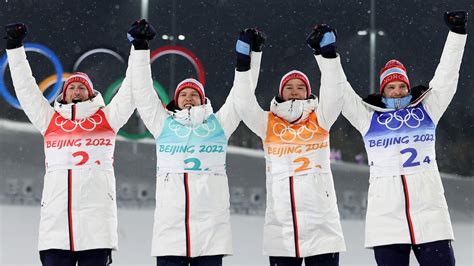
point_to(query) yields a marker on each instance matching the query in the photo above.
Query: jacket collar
(81, 110)
(193, 116)
(294, 111)
(374, 101)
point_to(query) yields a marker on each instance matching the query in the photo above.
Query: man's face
(76, 92)
(188, 97)
(294, 89)
(395, 89)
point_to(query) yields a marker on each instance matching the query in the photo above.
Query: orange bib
(296, 149)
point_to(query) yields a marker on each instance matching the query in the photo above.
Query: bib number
(194, 164)
(305, 164)
(84, 157)
(411, 161)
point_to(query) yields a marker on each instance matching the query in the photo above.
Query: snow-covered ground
(19, 225)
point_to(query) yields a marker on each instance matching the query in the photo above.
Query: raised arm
(119, 110)
(333, 81)
(444, 83)
(35, 105)
(336, 92)
(249, 50)
(228, 115)
(322, 40)
(147, 101)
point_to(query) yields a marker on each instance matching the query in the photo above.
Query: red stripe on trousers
(407, 210)
(188, 236)
(295, 220)
(69, 209)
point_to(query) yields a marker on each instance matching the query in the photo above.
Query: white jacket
(192, 216)
(78, 206)
(410, 208)
(302, 218)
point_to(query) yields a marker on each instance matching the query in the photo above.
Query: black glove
(258, 39)
(322, 39)
(243, 49)
(456, 21)
(250, 39)
(140, 33)
(16, 33)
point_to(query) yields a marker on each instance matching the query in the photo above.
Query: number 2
(410, 162)
(83, 154)
(196, 164)
(304, 166)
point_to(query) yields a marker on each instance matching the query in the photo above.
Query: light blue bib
(181, 148)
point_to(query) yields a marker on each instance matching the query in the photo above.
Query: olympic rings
(72, 124)
(288, 134)
(183, 131)
(395, 120)
(52, 80)
(62, 76)
(178, 50)
(96, 51)
(41, 49)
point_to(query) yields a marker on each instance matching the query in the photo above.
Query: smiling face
(395, 89)
(188, 97)
(294, 89)
(76, 92)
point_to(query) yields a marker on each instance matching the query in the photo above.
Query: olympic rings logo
(203, 130)
(87, 124)
(410, 117)
(61, 76)
(43, 50)
(288, 134)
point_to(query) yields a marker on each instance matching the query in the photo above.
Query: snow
(19, 225)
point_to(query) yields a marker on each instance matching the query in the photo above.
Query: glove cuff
(329, 51)
(459, 29)
(243, 63)
(140, 44)
(13, 43)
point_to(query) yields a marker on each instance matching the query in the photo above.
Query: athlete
(78, 207)
(406, 208)
(302, 219)
(192, 218)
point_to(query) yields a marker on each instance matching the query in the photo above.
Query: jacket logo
(203, 130)
(410, 117)
(289, 134)
(87, 124)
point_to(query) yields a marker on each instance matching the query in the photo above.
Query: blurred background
(197, 39)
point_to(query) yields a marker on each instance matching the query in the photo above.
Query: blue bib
(401, 142)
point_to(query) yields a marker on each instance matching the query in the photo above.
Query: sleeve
(146, 99)
(119, 110)
(444, 83)
(35, 105)
(227, 115)
(333, 80)
(354, 110)
(246, 103)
